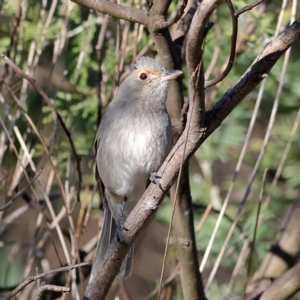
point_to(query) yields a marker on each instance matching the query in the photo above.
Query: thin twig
(248, 7)
(232, 49)
(174, 274)
(39, 276)
(255, 232)
(50, 287)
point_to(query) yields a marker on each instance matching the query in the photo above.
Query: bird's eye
(143, 76)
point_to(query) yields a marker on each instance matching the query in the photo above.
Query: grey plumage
(132, 141)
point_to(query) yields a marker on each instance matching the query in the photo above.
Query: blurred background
(78, 57)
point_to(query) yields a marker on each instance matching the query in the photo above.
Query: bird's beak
(170, 74)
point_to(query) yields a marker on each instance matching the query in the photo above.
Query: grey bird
(132, 141)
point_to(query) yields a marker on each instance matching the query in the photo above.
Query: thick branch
(153, 196)
(167, 53)
(186, 248)
(160, 8)
(116, 10)
(179, 14)
(192, 285)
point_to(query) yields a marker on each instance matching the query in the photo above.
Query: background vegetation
(78, 57)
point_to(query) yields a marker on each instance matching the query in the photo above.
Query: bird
(132, 141)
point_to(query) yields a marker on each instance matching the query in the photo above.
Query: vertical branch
(183, 218)
(167, 54)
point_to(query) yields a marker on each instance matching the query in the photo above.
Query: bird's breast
(131, 149)
(149, 141)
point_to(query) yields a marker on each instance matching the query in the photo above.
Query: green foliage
(71, 81)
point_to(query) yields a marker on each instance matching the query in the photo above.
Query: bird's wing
(100, 183)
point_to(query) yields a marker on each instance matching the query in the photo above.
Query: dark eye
(143, 76)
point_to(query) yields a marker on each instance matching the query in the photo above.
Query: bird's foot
(119, 231)
(154, 178)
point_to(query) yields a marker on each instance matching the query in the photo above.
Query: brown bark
(191, 139)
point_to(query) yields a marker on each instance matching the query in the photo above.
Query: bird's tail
(126, 267)
(107, 234)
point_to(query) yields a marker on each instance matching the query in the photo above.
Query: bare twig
(232, 49)
(255, 232)
(50, 287)
(39, 276)
(248, 7)
(174, 274)
(234, 18)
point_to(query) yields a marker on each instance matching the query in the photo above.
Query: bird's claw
(154, 179)
(120, 228)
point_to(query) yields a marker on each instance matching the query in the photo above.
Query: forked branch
(185, 147)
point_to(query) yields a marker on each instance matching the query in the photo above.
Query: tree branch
(153, 196)
(247, 7)
(179, 14)
(234, 20)
(39, 276)
(190, 276)
(116, 10)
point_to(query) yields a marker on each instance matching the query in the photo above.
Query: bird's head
(149, 79)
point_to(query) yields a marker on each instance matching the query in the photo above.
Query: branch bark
(187, 144)
(192, 284)
(116, 10)
(191, 280)
(167, 53)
